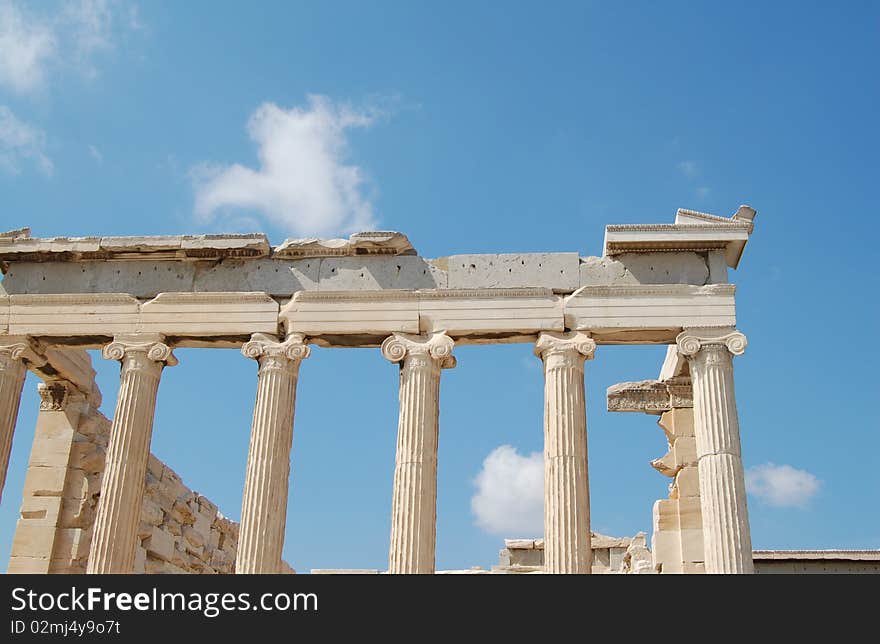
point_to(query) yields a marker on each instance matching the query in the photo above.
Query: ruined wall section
(180, 530)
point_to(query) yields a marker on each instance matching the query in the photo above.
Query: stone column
(414, 498)
(14, 350)
(264, 504)
(122, 489)
(727, 541)
(567, 542)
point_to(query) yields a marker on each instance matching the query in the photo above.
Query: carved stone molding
(569, 345)
(651, 396)
(55, 395)
(152, 347)
(262, 345)
(19, 347)
(435, 346)
(691, 341)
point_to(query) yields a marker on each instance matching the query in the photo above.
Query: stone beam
(91, 317)
(610, 309)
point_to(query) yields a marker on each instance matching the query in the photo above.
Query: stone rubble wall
(180, 530)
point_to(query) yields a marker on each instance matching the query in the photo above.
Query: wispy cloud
(510, 493)
(782, 485)
(690, 169)
(96, 154)
(303, 183)
(27, 43)
(703, 191)
(21, 142)
(33, 44)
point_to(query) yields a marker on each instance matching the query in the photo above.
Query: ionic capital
(262, 345)
(434, 346)
(149, 346)
(691, 341)
(20, 347)
(571, 344)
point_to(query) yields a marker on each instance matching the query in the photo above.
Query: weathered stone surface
(557, 271)
(364, 243)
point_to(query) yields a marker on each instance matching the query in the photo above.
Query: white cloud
(510, 493)
(96, 154)
(19, 142)
(782, 485)
(26, 45)
(303, 183)
(690, 169)
(32, 45)
(703, 191)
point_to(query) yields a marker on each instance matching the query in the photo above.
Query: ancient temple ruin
(96, 500)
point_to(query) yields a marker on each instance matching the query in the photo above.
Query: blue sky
(476, 127)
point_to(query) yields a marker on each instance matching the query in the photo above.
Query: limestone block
(71, 543)
(45, 481)
(694, 568)
(202, 524)
(666, 464)
(219, 560)
(666, 515)
(206, 507)
(77, 513)
(469, 312)
(381, 313)
(76, 485)
(194, 537)
(22, 565)
(378, 273)
(604, 271)
(151, 512)
(172, 526)
(717, 267)
(557, 271)
(144, 529)
(691, 545)
(155, 467)
(519, 544)
(688, 482)
(666, 549)
(685, 449)
(99, 314)
(160, 544)
(41, 510)
(666, 268)
(142, 279)
(666, 306)
(364, 243)
(689, 515)
(5, 308)
(209, 314)
(276, 277)
(33, 540)
(140, 560)
(53, 441)
(86, 456)
(179, 557)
